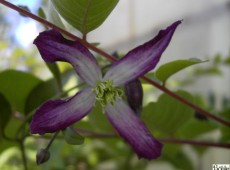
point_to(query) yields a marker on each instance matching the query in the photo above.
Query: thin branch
(93, 134)
(84, 37)
(162, 88)
(21, 143)
(51, 141)
(192, 142)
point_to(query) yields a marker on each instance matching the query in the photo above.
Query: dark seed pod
(134, 95)
(200, 116)
(42, 156)
(25, 8)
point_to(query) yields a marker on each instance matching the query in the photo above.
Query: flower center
(106, 92)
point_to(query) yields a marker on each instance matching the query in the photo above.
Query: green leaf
(16, 86)
(5, 112)
(168, 69)
(42, 92)
(225, 132)
(194, 128)
(85, 15)
(53, 67)
(170, 149)
(10, 131)
(41, 13)
(72, 137)
(179, 161)
(12, 127)
(53, 16)
(168, 114)
(227, 60)
(4, 145)
(98, 119)
(212, 70)
(217, 59)
(45, 90)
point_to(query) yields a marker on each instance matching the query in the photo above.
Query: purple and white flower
(55, 115)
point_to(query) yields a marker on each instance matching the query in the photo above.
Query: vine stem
(84, 37)
(93, 134)
(193, 142)
(51, 141)
(21, 143)
(97, 50)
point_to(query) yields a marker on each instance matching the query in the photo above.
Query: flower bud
(42, 156)
(134, 95)
(200, 116)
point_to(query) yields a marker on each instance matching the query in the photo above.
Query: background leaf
(179, 160)
(46, 90)
(42, 92)
(53, 67)
(225, 132)
(85, 15)
(12, 127)
(98, 119)
(168, 114)
(16, 86)
(72, 137)
(194, 128)
(168, 69)
(41, 13)
(5, 112)
(212, 70)
(53, 16)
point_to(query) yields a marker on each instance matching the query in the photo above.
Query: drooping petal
(54, 47)
(141, 59)
(55, 115)
(134, 95)
(133, 130)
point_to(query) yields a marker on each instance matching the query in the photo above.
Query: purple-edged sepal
(133, 130)
(141, 59)
(54, 47)
(55, 115)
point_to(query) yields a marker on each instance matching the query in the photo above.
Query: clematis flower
(55, 115)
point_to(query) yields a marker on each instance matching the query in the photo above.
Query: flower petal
(133, 130)
(55, 115)
(141, 59)
(54, 47)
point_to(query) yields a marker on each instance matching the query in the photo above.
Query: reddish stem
(43, 21)
(84, 37)
(93, 134)
(192, 142)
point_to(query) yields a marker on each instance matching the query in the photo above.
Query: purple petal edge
(54, 47)
(133, 130)
(55, 115)
(142, 59)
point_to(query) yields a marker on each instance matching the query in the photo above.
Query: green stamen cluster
(106, 92)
